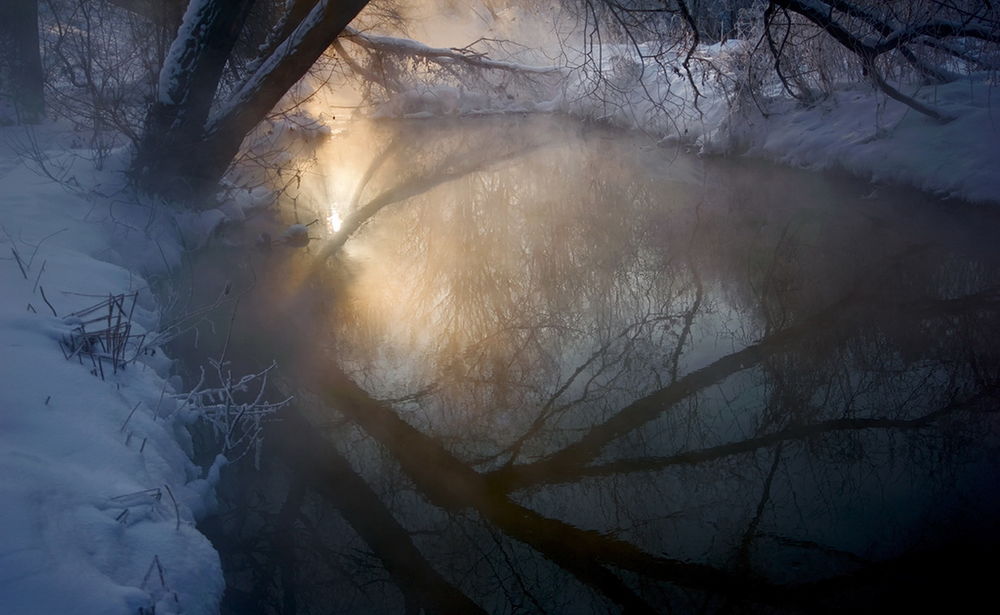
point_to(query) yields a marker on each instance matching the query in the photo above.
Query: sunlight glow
(334, 220)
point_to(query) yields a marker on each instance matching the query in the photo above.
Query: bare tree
(873, 32)
(926, 42)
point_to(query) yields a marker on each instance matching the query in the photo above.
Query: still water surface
(550, 368)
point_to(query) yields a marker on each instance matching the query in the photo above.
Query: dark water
(564, 370)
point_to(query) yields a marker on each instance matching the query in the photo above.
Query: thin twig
(129, 417)
(177, 510)
(46, 299)
(20, 265)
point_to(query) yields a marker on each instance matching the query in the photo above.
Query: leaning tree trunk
(188, 83)
(21, 76)
(185, 151)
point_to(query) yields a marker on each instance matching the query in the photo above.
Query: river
(548, 367)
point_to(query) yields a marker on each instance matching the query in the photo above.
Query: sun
(334, 220)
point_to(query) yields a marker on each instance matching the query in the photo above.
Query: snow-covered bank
(855, 128)
(99, 496)
(880, 139)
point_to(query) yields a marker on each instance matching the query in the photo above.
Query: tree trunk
(188, 83)
(21, 76)
(184, 152)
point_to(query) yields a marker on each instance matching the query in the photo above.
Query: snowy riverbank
(880, 139)
(99, 496)
(855, 129)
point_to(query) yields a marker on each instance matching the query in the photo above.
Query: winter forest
(499, 306)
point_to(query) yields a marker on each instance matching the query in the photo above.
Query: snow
(884, 141)
(857, 129)
(91, 467)
(173, 63)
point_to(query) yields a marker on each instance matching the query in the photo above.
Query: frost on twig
(401, 76)
(235, 409)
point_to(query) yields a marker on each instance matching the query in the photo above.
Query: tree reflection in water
(550, 369)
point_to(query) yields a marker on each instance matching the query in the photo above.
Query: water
(547, 367)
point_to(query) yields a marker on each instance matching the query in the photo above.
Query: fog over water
(549, 367)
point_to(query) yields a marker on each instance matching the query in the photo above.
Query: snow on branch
(440, 55)
(177, 65)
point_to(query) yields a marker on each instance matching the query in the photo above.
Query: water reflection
(549, 368)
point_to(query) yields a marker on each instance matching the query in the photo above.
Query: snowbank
(882, 140)
(857, 129)
(98, 497)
